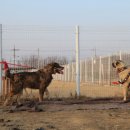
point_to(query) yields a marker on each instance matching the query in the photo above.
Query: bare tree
(33, 60)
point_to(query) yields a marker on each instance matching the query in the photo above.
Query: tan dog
(124, 75)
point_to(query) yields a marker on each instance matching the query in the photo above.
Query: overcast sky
(104, 25)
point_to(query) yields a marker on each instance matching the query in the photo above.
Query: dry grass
(59, 89)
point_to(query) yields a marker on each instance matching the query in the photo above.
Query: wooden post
(3, 88)
(6, 87)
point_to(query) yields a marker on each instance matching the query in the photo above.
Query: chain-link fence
(97, 70)
(36, 46)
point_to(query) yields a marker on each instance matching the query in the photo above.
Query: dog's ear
(113, 65)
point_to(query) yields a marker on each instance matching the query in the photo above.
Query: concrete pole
(0, 58)
(77, 62)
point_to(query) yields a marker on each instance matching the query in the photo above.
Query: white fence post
(86, 76)
(68, 69)
(92, 71)
(109, 70)
(100, 71)
(66, 73)
(73, 72)
(0, 58)
(77, 62)
(120, 54)
(80, 71)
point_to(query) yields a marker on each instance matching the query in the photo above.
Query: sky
(65, 12)
(50, 25)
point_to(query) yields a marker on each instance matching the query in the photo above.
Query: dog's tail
(6, 69)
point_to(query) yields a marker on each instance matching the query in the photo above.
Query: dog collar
(121, 69)
(126, 78)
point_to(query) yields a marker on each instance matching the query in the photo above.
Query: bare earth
(98, 113)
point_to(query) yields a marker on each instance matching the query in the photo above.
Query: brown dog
(34, 80)
(124, 75)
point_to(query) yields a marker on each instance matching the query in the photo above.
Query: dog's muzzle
(59, 70)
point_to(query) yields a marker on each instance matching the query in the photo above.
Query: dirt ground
(67, 114)
(103, 111)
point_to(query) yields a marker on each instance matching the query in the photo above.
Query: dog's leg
(18, 97)
(125, 92)
(41, 92)
(47, 93)
(6, 101)
(26, 92)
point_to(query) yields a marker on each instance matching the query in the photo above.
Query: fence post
(0, 58)
(68, 69)
(102, 71)
(77, 62)
(100, 66)
(3, 87)
(92, 71)
(109, 70)
(80, 71)
(72, 79)
(86, 71)
(120, 54)
(6, 87)
(66, 73)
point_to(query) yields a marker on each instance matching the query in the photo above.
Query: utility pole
(14, 54)
(94, 51)
(0, 58)
(77, 62)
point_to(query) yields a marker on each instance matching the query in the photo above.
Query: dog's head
(54, 68)
(118, 64)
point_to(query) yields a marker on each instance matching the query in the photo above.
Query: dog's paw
(125, 101)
